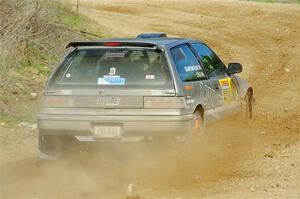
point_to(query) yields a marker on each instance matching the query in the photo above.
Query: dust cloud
(104, 170)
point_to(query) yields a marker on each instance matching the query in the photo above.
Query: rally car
(133, 89)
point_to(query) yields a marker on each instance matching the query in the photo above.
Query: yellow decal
(228, 90)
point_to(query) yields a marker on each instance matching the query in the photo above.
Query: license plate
(107, 131)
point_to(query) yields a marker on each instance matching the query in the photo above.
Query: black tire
(248, 113)
(48, 147)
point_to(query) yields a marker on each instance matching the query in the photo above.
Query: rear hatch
(112, 77)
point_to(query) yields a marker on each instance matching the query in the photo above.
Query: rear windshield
(113, 67)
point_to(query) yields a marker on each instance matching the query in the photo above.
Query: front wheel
(248, 113)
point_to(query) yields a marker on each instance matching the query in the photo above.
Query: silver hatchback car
(151, 86)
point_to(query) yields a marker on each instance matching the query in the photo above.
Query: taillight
(57, 101)
(112, 43)
(164, 102)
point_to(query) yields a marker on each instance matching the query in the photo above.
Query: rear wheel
(52, 147)
(197, 130)
(47, 147)
(198, 124)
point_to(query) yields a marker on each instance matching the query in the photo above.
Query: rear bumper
(81, 126)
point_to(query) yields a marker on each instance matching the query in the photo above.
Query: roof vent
(152, 35)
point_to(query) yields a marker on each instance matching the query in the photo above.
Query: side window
(212, 64)
(187, 65)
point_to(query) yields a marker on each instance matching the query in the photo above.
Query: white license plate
(107, 131)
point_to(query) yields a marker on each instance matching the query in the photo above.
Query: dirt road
(235, 162)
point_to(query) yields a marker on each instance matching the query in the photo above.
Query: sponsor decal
(200, 74)
(192, 68)
(228, 90)
(225, 85)
(111, 80)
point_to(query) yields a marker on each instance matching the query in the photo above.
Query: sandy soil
(230, 160)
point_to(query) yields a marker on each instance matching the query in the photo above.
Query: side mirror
(234, 68)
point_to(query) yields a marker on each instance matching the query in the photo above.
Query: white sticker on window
(111, 80)
(150, 76)
(68, 75)
(112, 71)
(192, 68)
(114, 55)
(200, 74)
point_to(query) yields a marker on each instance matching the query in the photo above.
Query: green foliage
(9, 120)
(38, 59)
(71, 19)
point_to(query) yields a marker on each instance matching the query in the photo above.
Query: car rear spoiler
(110, 44)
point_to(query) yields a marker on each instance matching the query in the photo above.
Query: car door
(195, 83)
(221, 82)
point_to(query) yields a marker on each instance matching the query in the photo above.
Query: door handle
(217, 86)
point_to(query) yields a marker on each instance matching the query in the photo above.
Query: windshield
(113, 67)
